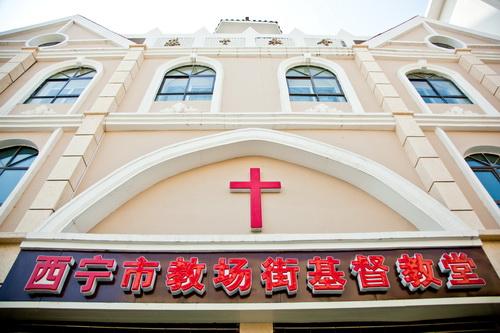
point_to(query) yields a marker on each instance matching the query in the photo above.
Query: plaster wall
(199, 202)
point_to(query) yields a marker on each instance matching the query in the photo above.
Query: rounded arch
(17, 142)
(39, 77)
(284, 66)
(91, 206)
(154, 85)
(469, 91)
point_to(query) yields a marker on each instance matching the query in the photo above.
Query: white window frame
(462, 84)
(152, 90)
(343, 79)
(39, 78)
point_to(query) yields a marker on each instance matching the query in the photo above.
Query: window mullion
(13, 156)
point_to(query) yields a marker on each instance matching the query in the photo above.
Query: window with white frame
(486, 167)
(187, 83)
(315, 84)
(62, 88)
(14, 162)
(437, 89)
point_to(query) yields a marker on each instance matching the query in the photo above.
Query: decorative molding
(223, 121)
(285, 65)
(321, 108)
(39, 110)
(456, 110)
(94, 204)
(451, 75)
(39, 77)
(250, 242)
(178, 107)
(39, 123)
(149, 96)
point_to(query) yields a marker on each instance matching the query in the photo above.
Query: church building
(248, 180)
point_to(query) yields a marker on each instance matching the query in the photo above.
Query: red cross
(255, 187)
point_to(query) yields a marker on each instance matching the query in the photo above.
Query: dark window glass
(309, 83)
(443, 45)
(14, 161)
(62, 88)
(487, 170)
(188, 83)
(437, 89)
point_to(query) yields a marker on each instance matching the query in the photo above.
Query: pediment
(419, 28)
(199, 202)
(77, 30)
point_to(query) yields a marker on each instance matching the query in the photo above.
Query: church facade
(247, 179)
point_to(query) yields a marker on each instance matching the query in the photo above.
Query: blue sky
(360, 17)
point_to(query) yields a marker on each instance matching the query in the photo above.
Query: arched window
(487, 169)
(188, 83)
(62, 88)
(437, 89)
(310, 83)
(14, 161)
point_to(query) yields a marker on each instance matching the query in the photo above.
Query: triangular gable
(79, 26)
(405, 27)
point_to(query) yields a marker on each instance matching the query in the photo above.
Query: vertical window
(14, 161)
(315, 84)
(62, 88)
(188, 83)
(436, 89)
(487, 170)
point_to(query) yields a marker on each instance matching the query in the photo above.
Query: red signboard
(250, 277)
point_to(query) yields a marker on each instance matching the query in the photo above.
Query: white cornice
(41, 123)
(225, 121)
(460, 122)
(250, 242)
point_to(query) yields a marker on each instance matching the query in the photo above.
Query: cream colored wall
(464, 141)
(365, 95)
(35, 32)
(199, 202)
(140, 84)
(462, 36)
(36, 183)
(137, 144)
(416, 34)
(76, 31)
(250, 84)
(383, 147)
(8, 254)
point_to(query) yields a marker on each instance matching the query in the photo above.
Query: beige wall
(464, 141)
(385, 149)
(199, 202)
(127, 146)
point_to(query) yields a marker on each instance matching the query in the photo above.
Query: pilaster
(15, 67)
(480, 71)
